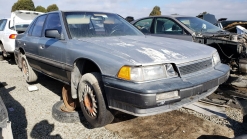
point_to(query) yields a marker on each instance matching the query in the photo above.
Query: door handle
(41, 46)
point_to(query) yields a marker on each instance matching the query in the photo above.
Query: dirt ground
(171, 125)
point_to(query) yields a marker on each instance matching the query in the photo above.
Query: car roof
(173, 15)
(170, 16)
(88, 11)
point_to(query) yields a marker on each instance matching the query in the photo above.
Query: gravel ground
(30, 112)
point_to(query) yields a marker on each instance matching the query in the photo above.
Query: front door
(52, 50)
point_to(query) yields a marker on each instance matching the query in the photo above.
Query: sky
(231, 9)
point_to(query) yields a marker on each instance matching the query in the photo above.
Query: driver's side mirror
(53, 33)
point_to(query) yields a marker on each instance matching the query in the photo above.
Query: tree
(23, 5)
(40, 9)
(52, 7)
(155, 11)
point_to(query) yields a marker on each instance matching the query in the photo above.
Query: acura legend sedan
(110, 65)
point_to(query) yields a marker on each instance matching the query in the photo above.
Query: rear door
(31, 42)
(52, 50)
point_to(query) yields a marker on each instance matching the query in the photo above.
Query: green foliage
(155, 11)
(52, 7)
(40, 9)
(23, 5)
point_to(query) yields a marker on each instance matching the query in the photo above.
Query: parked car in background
(10, 27)
(223, 23)
(110, 65)
(129, 18)
(231, 47)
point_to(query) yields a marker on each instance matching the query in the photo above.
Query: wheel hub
(89, 101)
(70, 104)
(25, 68)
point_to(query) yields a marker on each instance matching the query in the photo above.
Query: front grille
(194, 67)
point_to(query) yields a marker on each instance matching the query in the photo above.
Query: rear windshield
(2, 24)
(92, 24)
(21, 27)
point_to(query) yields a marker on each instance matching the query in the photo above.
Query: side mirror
(53, 33)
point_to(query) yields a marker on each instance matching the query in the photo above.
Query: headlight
(216, 58)
(147, 73)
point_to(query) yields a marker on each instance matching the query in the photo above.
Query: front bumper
(139, 99)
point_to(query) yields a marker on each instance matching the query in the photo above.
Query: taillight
(12, 36)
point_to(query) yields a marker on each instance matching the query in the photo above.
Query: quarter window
(37, 29)
(144, 25)
(53, 22)
(31, 28)
(2, 24)
(167, 26)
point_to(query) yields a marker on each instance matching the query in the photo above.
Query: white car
(10, 27)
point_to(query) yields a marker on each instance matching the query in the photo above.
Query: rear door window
(2, 24)
(37, 29)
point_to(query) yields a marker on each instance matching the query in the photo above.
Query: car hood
(148, 50)
(232, 27)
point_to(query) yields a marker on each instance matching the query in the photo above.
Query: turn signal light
(124, 73)
(12, 36)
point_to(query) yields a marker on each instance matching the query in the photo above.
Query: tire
(18, 59)
(64, 117)
(92, 101)
(29, 74)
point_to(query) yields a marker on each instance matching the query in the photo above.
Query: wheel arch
(81, 66)
(22, 50)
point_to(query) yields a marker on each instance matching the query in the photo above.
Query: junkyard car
(223, 23)
(10, 27)
(111, 65)
(231, 47)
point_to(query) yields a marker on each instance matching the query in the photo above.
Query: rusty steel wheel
(92, 100)
(27, 71)
(89, 101)
(25, 68)
(70, 104)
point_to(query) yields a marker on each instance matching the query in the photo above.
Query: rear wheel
(18, 61)
(27, 71)
(92, 101)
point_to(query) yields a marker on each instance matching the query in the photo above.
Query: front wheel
(27, 71)
(92, 101)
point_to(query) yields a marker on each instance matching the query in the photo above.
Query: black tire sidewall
(18, 58)
(104, 116)
(64, 117)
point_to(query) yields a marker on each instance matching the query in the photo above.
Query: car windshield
(198, 25)
(92, 24)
